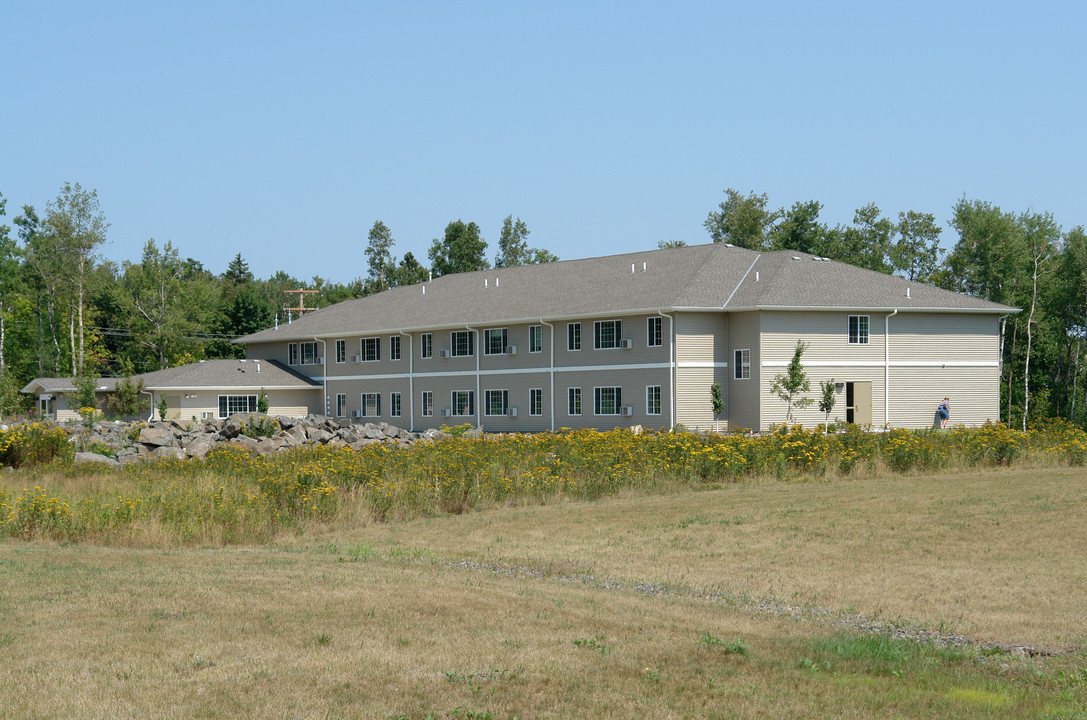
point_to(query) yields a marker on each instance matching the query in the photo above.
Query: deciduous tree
(462, 249)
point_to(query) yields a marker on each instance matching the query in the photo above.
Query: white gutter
(411, 379)
(887, 368)
(671, 368)
(152, 396)
(551, 371)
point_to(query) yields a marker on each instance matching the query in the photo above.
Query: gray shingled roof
(203, 374)
(708, 277)
(227, 374)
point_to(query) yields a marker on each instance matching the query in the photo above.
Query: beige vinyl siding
(827, 335)
(915, 393)
(700, 345)
(743, 400)
(198, 403)
(933, 337)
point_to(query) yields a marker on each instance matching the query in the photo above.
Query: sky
(284, 130)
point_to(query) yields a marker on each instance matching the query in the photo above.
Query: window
(653, 331)
(371, 349)
(463, 402)
(606, 400)
(233, 404)
(341, 404)
(426, 345)
(394, 404)
(394, 347)
(535, 338)
(535, 401)
(653, 400)
(496, 402)
(427, 403)
(606, 334)
(341, 351)
(741, 366)
(309, 352)
(460, 343)
(494, 341)
(371, 404)
(858, 329)
(573, 401)
(292, 354)
(573, 336)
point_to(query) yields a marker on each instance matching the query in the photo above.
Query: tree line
(67, 312)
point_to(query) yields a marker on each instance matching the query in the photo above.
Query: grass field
(751, 599)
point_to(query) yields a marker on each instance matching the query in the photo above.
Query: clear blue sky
(283, 130)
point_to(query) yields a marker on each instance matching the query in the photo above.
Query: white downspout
(671, 368)
(887, 368)
(411, 379)
(152, 396)
(479, 398)
(552, 371)
(324, 373)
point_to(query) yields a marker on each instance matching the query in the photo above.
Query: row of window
(607, 335)
(496, 403)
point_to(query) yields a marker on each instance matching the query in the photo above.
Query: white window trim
(742, 370)
(580, 401)
(453, 344)
(617, 333)
(341, 404)
(487, 402)
(577, 326)
(504, 334)
(362, 405)
(377, 349)
(534, 393)
(867, 330)
(618, 403)
(426, 346)
(537, 331)
(649, 323)
(394, 342)
(427, 409)
(453, 403)
(660, 400)
(341, 352)
(395, 404)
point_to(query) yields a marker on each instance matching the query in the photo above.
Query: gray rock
(171, 453)
(89, 457)
(157, 437)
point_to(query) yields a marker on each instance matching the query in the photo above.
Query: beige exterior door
(858, 402)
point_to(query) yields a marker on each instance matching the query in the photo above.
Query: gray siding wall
(743, 400)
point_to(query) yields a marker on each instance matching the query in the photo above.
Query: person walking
(945, 413)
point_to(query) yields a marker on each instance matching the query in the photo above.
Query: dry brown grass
(379, 621)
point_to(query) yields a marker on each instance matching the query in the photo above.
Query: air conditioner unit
(511, 412)
(318, 360)
(208, 415)
(626, 411)
(443, 353)
(356, 358)
(511, 350)
(356, 413)
(626, 343)
(446, 412)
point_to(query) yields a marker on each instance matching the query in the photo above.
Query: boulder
(157, 437)
(170, 453)
(89, 457)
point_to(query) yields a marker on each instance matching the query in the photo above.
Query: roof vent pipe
(484, 282)
(424, 289)
(756, 276)
(496, 282)
(632, 268)
(907, 293)
(430, 276)
(644, 265)
(277, 321)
